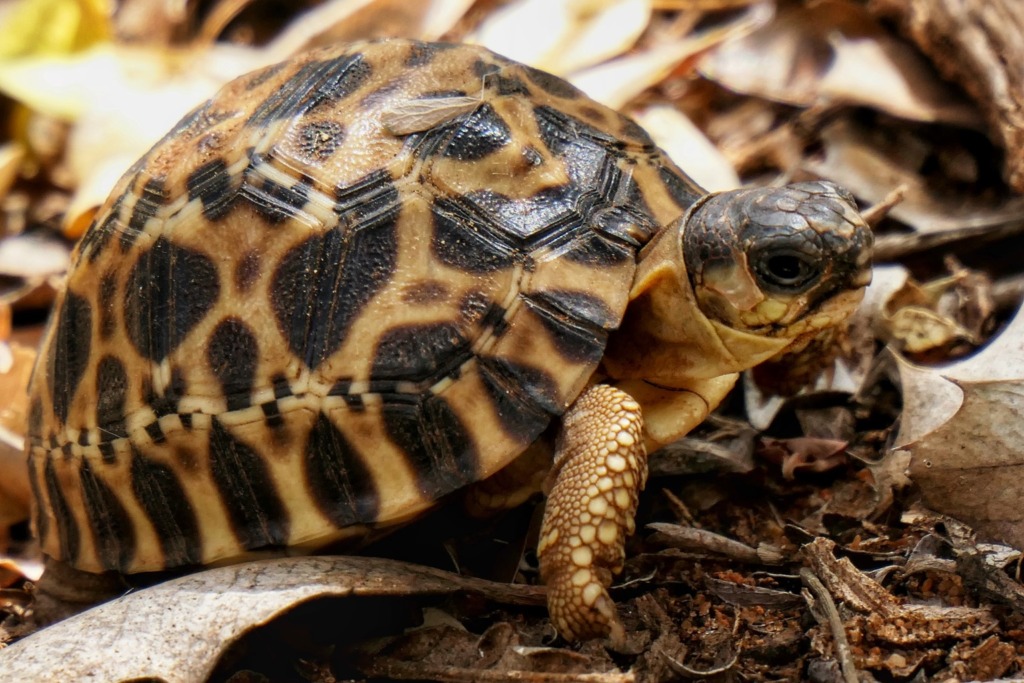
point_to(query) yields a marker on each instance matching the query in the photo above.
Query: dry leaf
(603, 35)
(833, 52)
(346, 20)
(890, 76)
(688, 146)
(618, 81)
(963, 425)
(564, 35)
(877, 615)
(33, 256)
(972, 467)
(927, 320)
(53, 27)
(805, 454)
(177, 631)
(16, 363)
(870, 166)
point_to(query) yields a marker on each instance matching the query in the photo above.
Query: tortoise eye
(786, 270)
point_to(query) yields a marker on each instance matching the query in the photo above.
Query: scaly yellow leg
(599, 470)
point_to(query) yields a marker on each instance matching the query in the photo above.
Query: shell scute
(169, 290)
(111, 524)
(339, 483)
(243, 479)
(68, 358)
(233, 355)
(315, 84)
(314, 319)
(174, 524)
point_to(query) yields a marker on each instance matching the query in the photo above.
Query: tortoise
(357, 281)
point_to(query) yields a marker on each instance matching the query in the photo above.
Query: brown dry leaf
(868, 164)
(963, 425)
(833, 52)
(972, 466)
(683, 141)
(929, 319)
(16, 363)
(977, 46)
(880, 616)
(177, 631)
(564, 35)
(990, 660)
(616, 82)
(804, 453)
(345, 20)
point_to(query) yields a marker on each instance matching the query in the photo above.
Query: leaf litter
(867, 528)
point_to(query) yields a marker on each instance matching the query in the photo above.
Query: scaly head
(742, 277)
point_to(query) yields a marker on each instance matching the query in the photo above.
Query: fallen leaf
(972, 466)
(890, 76)
(616, 82)
(33, 256)
(564, 35)
(929, 320)
(804, 453)
(177, 630)
(881, 616)
(963, 425)
(829, 53)
(347, 20)
(684, 142)
(54, 26)
(860, 159)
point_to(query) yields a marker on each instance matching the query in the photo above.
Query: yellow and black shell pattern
(345, 286)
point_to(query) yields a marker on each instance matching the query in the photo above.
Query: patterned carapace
(342, 288)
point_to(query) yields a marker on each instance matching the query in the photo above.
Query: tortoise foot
(599, 470)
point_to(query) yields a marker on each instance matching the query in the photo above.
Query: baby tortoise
(359, 280)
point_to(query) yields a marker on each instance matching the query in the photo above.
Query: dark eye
(787, 270)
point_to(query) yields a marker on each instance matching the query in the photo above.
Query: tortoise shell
(342, 288)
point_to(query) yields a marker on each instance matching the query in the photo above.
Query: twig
(820, 597)
(453, 674)
(873, 215)
(689, 672)
(895, 247)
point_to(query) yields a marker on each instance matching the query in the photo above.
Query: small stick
(820, 597)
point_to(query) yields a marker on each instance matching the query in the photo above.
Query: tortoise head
(777, 262)
(742, 277)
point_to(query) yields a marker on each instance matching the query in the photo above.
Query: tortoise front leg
(599, 470)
